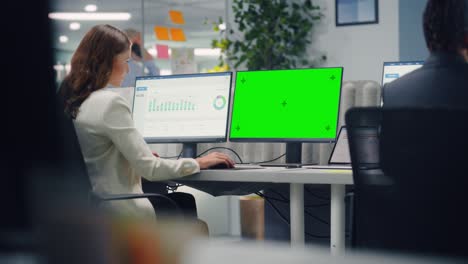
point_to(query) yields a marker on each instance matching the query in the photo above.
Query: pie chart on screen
(219, 102)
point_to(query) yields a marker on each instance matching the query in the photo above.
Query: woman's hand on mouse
(214, 158)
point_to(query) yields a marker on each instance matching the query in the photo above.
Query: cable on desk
(238, 156)
(286, 220)
(230, 149)
(275, 159)
(171, 157)
(240, 159)
(180, 154)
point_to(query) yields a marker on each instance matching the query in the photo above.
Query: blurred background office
(396, 36)
(360, 49)
(31, 166)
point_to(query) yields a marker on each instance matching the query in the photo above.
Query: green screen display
(286, 105)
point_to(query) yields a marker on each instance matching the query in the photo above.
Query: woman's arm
(118, 125)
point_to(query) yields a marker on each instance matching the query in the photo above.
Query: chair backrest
(413, 199)
(72, 159)
(72, 156)
(75, 170)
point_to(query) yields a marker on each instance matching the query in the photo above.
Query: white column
(296, 194)
(337, 219)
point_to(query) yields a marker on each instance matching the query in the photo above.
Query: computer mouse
(219, 166)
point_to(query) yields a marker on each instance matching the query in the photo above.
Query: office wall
(360, 49)
(412, 43)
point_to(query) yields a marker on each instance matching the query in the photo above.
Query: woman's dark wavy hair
(91, 65)
(444, 25)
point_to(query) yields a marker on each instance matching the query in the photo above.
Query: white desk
(296, 178)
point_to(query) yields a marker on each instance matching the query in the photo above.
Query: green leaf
(276, 33)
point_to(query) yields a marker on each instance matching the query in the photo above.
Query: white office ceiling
(197, 33)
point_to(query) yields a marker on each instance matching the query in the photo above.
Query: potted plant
(275, 34)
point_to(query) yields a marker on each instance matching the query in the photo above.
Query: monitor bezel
(208, 139)
(419, 62)
(287, 140)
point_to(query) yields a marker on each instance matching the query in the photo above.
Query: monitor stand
(189, 150)
(293, 157)
(293, 154)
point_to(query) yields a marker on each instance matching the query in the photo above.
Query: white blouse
(116, 155)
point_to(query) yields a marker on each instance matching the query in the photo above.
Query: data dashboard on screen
(182, 108)
(395, 70)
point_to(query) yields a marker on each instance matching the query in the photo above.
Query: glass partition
(195, 24)
(191, 19)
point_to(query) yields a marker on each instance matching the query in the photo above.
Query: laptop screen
(394, 70)
(340, 153)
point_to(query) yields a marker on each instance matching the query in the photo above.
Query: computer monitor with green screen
(294, 105)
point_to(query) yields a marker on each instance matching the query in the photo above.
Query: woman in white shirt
(115, 153)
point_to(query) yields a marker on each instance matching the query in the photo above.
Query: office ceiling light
(90, 16)
(63, 39)
(90, 8)
(75, 26)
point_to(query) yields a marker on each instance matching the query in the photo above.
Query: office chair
(76, 169)
(409, 180)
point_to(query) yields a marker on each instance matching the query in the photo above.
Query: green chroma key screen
(286, 105)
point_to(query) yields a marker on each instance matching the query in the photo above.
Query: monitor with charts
(182, 108)
(394, 70)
